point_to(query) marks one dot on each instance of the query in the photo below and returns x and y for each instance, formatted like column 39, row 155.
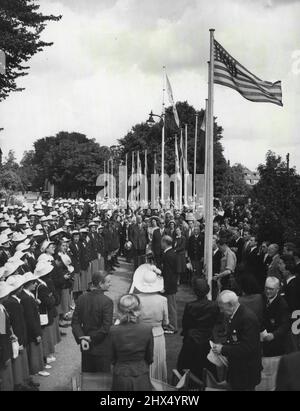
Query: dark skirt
column 65, row 302
column 133, row 376
column 35, row 357
column 20, row 368
column 86, row 278
column 55, row 331
column 48, row 340
column 6, row 377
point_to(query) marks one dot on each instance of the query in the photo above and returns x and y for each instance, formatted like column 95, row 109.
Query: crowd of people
column 56, row 262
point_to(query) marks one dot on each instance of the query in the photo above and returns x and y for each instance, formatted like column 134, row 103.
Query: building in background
column 251, row 177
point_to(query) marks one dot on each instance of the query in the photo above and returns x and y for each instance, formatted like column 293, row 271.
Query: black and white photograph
column 149, row 198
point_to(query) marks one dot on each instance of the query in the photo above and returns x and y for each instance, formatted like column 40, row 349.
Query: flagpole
column 181, row 169
column 195, row 160
column 112, row 179
column 186, row 165
column 146, row 177
column 209, row 195
column 126, row 180
column 163, row 141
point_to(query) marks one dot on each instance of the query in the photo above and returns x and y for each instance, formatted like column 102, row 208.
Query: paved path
column 68, row 353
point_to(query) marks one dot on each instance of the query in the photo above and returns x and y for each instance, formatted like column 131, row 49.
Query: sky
column 104, row 72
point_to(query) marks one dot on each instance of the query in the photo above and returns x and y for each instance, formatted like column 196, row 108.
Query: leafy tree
column 71, row 161
column 276, row 199
column 21, row 26
column 9, row 176
column 235, row 184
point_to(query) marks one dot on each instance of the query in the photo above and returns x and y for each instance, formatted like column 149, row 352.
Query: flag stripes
column 230, row 73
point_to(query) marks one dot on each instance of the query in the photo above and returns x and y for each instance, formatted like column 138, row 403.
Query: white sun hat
column 5, row 289
column 147, row 280
column 15, row 281
column 42, row 269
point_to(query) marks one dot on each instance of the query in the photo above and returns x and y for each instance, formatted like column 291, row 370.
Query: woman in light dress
column 148, row 284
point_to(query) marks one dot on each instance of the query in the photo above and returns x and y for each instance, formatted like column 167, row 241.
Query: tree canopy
column 71, row 161
column 21, row 26
column 276, row 199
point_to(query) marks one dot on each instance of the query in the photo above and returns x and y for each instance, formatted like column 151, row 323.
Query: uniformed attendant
column 22, row 380
column 33, row 326
column 75, row 253
column 6, row 373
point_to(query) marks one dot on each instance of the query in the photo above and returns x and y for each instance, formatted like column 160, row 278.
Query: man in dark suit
column 288, row 375
column 276, row 320
column 169, row 273
column 139, row 239
column 156, row 242
column 196, row 251
column 91, row 322
column 242, row 347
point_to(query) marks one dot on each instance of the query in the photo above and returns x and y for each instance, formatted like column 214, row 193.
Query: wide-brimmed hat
column 15, row 281
column 45, row 258
column 28, row 277
column 12, row 266
column 3, row 240
column 5, row 289
column 22, row 247
column 18, row 237
column 146, row 280
column 43, row 268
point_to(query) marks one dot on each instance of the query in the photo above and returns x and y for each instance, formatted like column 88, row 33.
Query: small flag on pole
column 229, row 72
column 171, row 100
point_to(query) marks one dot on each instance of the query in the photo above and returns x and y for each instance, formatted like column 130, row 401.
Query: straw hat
column 11, row 267
column 146, row 280
column 28, row 277
column 42, row 269
column 22, row 247
column 45, row 258
column 3, row 240
column 15, row 281
column 5, row 289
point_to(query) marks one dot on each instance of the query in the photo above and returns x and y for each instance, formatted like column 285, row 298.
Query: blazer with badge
column 276, row 322
column 243, row 350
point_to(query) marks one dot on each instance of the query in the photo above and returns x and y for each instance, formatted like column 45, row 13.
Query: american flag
column 229, row 72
